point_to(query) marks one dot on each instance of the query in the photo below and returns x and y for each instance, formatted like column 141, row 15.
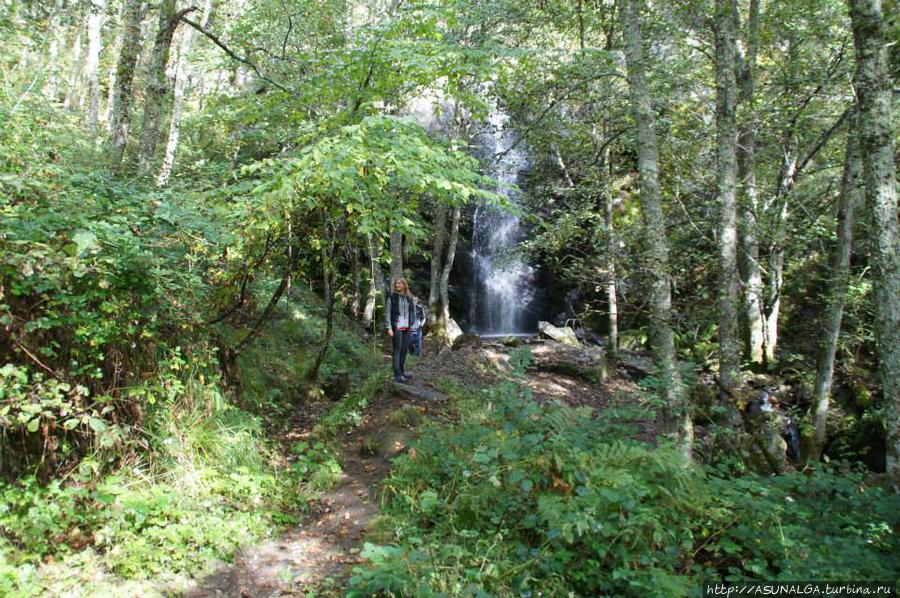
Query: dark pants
column 401, row 345
column 415, row 342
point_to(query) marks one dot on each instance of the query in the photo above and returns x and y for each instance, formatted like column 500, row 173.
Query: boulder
column 564, row 335
column 417, row 393
column 583, row 362
column 466, row 339
column 337, row 385
column 453, row 330
column 636, row 365
column 512, row 341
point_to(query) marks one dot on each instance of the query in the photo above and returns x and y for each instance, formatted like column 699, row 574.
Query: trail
column 316, row 557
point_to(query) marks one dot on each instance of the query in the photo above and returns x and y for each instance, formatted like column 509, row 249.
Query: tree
column 657, row 255
column 873, row 87
column 726, row 153
column 157, row 85
column 182, row 76
column 751, row 275
column 851, row 196
column 120, row 115
column 92, row 64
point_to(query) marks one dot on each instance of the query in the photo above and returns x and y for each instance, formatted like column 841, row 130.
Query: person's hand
column 391, row 332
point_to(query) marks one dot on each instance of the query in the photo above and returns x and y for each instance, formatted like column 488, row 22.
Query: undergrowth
column 519, row 499
column 202, row 477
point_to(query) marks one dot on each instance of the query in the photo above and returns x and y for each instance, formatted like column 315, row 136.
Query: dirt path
column 316, row 557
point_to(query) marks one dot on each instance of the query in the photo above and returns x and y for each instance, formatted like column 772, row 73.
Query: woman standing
column 398, row 319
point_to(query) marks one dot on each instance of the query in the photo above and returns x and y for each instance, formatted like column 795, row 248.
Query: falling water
column 501, row 288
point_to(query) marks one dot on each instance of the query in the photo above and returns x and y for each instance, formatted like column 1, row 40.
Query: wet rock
column 564, row 335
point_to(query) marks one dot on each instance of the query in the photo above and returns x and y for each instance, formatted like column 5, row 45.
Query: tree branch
column 215, row 39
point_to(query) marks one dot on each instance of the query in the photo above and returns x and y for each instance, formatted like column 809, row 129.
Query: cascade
column 501, row 287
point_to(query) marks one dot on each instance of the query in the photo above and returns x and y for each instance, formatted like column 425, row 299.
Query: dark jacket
column 392, row 313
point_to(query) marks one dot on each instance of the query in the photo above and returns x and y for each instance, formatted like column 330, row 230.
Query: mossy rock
column 466, row 339
column 407, row 416
column 386, row 443
column 512, row 341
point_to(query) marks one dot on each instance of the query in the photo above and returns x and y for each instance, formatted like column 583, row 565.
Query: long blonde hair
column 405, row 285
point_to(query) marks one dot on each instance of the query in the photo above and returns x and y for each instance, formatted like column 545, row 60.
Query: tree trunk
column 73, row 86
column 437, row 255
column 355, row 278
column 120, row 117
column 654, row 220
column 328, row 274
column 443, row 316
column 182, row 76
column 873, row 84
column 726, row 152
column 775, row 279
column 57, row 37
column 396, row 256
column 612, row 249
column 376, row 283
column 750, row 270
column 155, row 93
column 92, row 62
column 851, row 194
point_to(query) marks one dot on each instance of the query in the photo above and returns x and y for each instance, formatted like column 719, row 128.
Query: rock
column 512, row 341
column 466, row 339
column 337, row 385
column 408, row 416
column 453, row 330
column 582, row 362
column 589, row 337
column 636, row 365
column 564, row 335
column 417, row 393
column 385, row 443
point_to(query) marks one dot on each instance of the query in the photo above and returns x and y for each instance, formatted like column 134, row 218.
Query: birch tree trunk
column 120, row 115
column 92, row 62
column 877, row 144
column 654, row 221
column 726, row 153
column 612, row 248
column 182, row 77
column 748, row 205
column 851, row 195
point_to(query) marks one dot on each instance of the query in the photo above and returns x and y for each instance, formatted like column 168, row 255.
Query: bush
column 521, row 499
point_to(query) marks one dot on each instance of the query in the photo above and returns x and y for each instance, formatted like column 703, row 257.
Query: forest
column 646, row 251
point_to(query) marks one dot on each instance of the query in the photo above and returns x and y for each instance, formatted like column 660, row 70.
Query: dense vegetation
column 198, row 203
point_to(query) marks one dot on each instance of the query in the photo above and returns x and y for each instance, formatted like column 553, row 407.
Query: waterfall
column 501, row 287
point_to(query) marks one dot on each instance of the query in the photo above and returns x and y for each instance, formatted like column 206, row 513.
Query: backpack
column 420, row 314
